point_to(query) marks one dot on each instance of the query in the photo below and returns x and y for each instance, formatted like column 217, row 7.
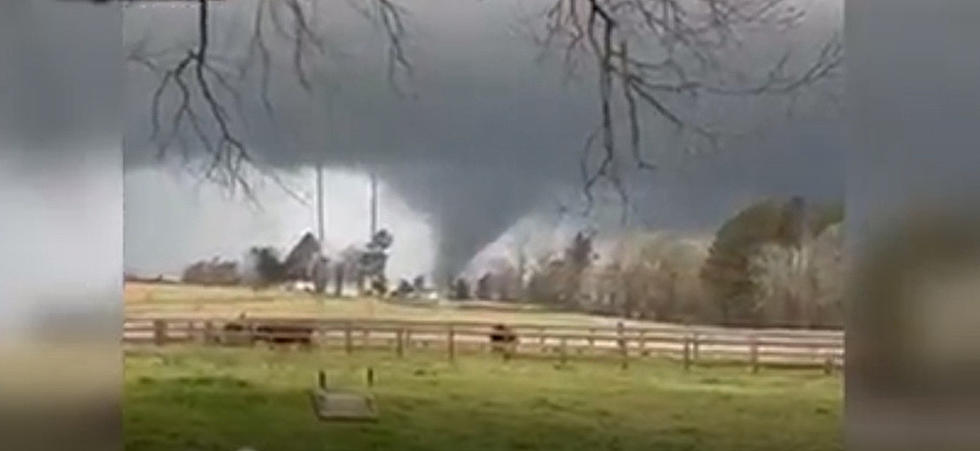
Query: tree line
column 775, row 263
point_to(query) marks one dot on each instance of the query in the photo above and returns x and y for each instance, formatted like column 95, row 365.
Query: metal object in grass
column 342, row 405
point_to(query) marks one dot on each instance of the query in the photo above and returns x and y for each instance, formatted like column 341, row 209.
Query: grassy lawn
column 191, row 398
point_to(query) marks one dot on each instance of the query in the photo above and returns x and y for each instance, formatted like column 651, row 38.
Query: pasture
column 213, row 398
column 193, row 397
column 161, row 300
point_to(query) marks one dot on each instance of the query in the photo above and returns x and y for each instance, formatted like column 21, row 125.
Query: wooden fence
column 687, row 344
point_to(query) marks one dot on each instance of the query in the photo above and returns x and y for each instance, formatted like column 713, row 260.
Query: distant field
column 162, row 300
column 193, row 398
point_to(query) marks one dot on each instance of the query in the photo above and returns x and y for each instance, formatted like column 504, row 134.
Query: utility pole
column 320, row 265
column 374, row 206
column 319, row 203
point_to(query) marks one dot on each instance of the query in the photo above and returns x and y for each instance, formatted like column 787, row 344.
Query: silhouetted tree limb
column 204, row 85
column 651, row 55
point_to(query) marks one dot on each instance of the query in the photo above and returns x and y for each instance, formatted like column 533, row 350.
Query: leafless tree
column 650, row 56
column 801, row 286
column 654, row 275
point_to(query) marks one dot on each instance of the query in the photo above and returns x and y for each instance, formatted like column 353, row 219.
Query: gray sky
column 489, row 136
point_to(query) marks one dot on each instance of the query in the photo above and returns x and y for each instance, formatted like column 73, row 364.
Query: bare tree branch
column 388, row 17
column 651, row 55
column 203, row 85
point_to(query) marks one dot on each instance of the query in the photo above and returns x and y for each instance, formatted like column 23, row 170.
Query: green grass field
column 192, row 398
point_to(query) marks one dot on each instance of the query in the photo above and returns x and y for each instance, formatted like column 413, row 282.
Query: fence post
column 321, row 334
column 208, row 334
column 159, row 332
column 642, row 341
column 541, row 338
column 591, row 340
column 251, row 334
column 696, row 345
column 687, row 352
column 623, row 345
column 452, row 343
column 348, row 345
column 400, row 337
column 754, row 353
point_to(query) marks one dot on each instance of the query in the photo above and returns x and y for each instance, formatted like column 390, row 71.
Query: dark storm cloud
column 806, row 159
column 488, row 134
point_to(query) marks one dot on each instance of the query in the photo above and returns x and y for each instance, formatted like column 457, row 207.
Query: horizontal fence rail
column 689, row 344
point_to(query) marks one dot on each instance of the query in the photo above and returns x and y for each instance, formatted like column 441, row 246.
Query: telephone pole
column 319, row 203
column 374, row 205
